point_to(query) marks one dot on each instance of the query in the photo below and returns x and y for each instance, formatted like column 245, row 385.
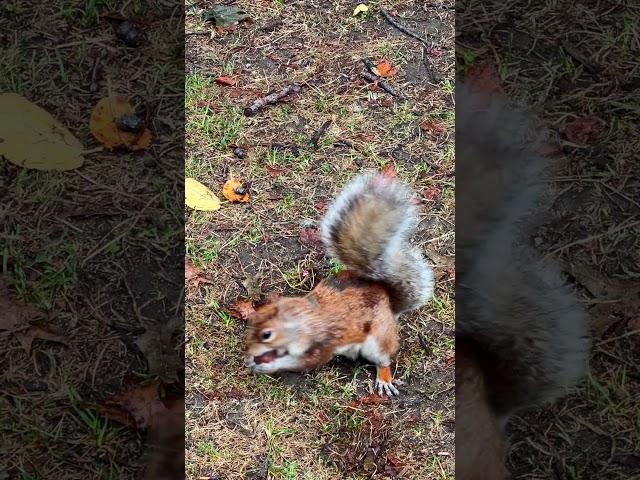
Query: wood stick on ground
column 271, row 99
column 318, row 135
column 384, row 85
column 405, row 30
column 590, row 65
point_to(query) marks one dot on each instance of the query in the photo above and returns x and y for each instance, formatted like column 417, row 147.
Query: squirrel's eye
column 266, row 335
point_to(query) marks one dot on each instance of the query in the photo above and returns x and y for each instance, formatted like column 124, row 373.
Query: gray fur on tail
column 367, row 229
column 511, row 305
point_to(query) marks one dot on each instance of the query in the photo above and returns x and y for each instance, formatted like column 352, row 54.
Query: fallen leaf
column 432, row 128
column 322, row 418
column 235, row 191
column 242, row 309
column 158, row 348
column 321, row 207
column 30, row 137
column 371, row 399
column 483, row 77
column 389, row 170
column 15, row 315
column 225, row 16
column 274, row 171
column 193, row 275
column 384, row 69
column 26, row 337
column 430, row 193
column 104, row 125
column 310, row 237
column 199, row 197
column 436, row 52
column 140, row 407
column 583, row 130
column 226, row 80
column 360, row 8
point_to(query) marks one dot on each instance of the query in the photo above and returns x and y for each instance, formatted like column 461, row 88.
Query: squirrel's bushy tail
column 367, row 229
column 512, row 306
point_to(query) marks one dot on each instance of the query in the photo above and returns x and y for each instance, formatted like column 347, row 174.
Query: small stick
column 318, row 135
column 384, row 85
column 369, row 64
column 404, row 30
column 590, row 65
column 440, row 5
column 271, row 99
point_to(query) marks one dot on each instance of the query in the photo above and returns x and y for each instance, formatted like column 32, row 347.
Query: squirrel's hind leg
column 384, row 381
column 379, row 350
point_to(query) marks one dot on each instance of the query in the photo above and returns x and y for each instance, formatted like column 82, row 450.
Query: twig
column 440, row 5
column 404, row 30
column 369, row 64
column 384, row 85
column 590, row 65
column 204, row 32
column 318, row 135
column 271, row 99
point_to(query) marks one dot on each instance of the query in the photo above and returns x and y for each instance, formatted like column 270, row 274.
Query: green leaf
column 225, row 16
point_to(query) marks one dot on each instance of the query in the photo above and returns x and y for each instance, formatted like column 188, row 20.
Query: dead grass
column 306, row 425
column 594, row 432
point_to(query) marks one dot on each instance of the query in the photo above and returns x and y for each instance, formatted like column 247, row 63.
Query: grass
column 304, row 426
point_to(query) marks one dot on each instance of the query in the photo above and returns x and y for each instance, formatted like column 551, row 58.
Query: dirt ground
column 90, row 249
column 571, row 62
column 319, row 425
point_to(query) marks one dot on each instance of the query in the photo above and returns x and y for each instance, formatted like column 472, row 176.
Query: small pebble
column 130, row 123
column 240, row 152
column 130, row 34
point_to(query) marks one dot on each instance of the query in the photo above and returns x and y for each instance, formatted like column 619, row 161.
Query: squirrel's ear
column 262, row 312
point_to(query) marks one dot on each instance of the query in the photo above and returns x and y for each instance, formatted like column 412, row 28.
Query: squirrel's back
column 367, row 229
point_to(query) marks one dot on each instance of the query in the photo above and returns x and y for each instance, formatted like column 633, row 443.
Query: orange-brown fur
column 480, row 444
column 340, row 311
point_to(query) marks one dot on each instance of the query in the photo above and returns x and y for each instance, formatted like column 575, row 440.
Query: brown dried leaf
column 432, row 128
column 14, row 314
column 389, row 170
column 242, row 309
column 430, row 193
column 274, row 171
column 226, row 80
column 583, row 130
column 384, row 69
column 27, row 337
column 140, row 407
column 194, row 275
column 310, row 237
column 157, row 346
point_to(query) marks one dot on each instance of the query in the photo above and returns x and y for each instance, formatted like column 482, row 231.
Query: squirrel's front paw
column 387, row 388
column 263, row 368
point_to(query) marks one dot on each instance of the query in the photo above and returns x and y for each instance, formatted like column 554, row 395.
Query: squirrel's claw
column 387, row 388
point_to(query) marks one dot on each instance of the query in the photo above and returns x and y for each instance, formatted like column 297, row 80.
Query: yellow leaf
column 198, row 196
column 30, row 137
column 361, row 8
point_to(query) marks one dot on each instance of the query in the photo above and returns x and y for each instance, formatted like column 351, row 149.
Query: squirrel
column 521, row 335
column 367, row 230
